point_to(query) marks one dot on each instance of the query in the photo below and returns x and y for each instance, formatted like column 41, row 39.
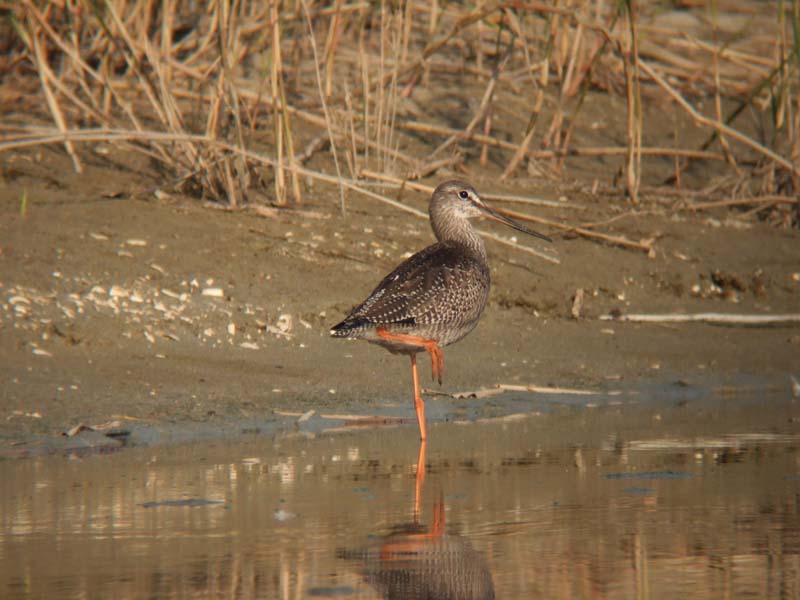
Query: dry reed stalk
column 386, row 97
column 626, row 215
column 45, row 77
column 286, row 119
column 160, row 77
column 479, row 45
column 515, row 387
column 517, row 199
column 408, row 19
column 328, row 125
column 278, row 108
column 726, row 149
column 363, row 72
column 616, row 240
column 676, row 161
column 228, row 41
column 522, row 150
column 630, row 53
column 551, row 58
column 327, row 11
column 430, row 168
column 789, row 49
column 487, row 129
column 567, row 82
column 748, row 61
column 433, row 21
column 390, row 131
column 351, row 155
column 330, row 44
column 381, row 89
column 566, row 87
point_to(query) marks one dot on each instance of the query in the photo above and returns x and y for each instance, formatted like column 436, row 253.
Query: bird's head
column 455, row 200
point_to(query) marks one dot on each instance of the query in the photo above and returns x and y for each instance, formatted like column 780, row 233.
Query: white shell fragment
column 117, row 291
column 285, row 323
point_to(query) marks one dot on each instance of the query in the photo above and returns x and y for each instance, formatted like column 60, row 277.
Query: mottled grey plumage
column 437, row 294
column 435, row 297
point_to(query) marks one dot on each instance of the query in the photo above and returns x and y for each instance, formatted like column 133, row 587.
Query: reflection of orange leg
column 437, row 358
column 438, row 518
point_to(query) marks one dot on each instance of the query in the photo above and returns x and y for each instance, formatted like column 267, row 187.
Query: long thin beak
column 493, row 214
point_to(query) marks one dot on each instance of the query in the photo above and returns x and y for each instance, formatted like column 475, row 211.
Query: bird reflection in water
column 419, row 562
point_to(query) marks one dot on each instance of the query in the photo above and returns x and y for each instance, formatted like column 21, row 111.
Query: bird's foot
column 437, row 360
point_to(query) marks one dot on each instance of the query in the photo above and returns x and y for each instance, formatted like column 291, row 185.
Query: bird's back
column 438, row 293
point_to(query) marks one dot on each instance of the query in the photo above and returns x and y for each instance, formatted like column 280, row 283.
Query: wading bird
column 436, row 297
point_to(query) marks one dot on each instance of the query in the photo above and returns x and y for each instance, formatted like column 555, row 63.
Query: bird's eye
column 463, row 194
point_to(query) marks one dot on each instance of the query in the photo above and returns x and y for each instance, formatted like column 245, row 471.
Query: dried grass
column 202, row 93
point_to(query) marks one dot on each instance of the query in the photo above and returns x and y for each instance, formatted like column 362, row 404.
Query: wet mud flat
column 663, row 494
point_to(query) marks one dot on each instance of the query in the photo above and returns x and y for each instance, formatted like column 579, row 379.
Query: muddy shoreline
column 117, row 305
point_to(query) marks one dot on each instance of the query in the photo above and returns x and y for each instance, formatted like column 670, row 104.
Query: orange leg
column 419, row 403
column 419, row 480
column 432, row 348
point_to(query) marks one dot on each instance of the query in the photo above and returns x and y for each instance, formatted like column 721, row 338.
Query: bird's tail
column 350, row 327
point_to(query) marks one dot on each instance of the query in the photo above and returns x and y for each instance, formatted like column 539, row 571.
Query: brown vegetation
column 238, row 101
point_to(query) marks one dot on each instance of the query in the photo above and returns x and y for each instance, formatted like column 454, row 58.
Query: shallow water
column 646, row 497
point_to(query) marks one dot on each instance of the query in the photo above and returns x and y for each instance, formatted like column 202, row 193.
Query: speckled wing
column 438, row 285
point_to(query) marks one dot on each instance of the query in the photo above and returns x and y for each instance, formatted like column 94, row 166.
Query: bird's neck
column 460, row 231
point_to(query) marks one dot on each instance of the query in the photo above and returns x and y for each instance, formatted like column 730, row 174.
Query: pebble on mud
column 213, row 292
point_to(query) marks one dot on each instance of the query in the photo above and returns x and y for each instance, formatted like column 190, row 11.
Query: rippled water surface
column 645, row 498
